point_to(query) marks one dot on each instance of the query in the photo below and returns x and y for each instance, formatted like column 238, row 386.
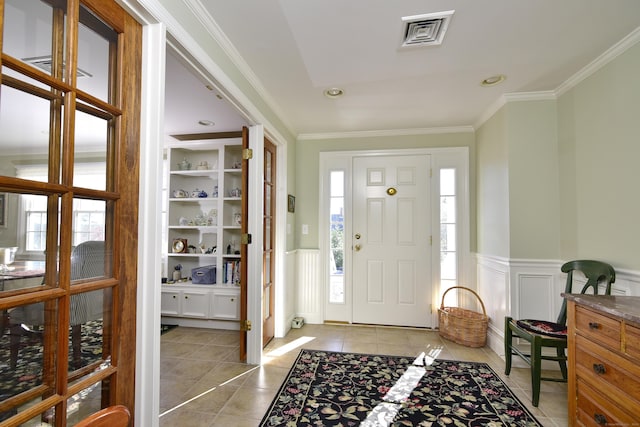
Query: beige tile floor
column 202, row 383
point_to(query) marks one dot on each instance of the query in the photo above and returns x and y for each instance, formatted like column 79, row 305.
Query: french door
column 268, row 252
column 69, row 101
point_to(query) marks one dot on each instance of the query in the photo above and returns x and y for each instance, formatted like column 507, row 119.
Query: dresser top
column 625, row 307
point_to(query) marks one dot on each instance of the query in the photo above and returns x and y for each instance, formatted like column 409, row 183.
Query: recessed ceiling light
column 333, row 92
column 206, row 122
column 493, row 80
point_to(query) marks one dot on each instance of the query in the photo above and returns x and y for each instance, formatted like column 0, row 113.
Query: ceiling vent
column 425, row 30
column 44, row 63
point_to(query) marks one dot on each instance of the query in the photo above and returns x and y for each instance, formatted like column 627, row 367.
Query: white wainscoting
column 308, row 289
column 288, row 310
column 529, row 289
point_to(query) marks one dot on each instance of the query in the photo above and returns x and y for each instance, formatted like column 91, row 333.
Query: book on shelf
column 232, row 272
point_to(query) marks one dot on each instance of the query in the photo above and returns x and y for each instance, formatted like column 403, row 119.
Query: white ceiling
column 295, row 49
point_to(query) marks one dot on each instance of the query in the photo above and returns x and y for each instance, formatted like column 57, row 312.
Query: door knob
column 357, row 247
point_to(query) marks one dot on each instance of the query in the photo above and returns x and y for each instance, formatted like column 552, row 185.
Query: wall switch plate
column 305, row 228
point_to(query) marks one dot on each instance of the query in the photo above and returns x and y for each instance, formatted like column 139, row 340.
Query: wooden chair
column 540, row 333
column 113, row 416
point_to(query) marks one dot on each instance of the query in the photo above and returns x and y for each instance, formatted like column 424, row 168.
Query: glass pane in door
column 97, row 44
column 25, row 147
column 27, row 32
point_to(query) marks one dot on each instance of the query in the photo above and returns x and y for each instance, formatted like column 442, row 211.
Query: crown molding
column 490, row 111
column 212, row 27
column 613, row 52
column 617, row 49
column 384, row 133
column 531, row 96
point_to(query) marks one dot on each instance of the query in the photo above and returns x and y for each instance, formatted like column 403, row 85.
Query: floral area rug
column 344, row 389
column 28, row 371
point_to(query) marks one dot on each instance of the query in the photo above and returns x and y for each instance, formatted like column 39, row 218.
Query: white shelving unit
column 204, row 217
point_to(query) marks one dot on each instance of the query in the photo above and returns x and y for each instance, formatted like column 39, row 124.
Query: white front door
column 391, row 249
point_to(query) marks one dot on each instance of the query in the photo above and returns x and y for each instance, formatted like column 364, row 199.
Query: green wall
column 307, row 176
column 534, row 224
column 493, row 187
column 599, row 134
column 558, row 178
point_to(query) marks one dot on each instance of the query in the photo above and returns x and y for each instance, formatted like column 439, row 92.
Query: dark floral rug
column 28, row 371
column 344, row 389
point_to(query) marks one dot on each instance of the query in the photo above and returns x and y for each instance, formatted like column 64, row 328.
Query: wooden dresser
column 604, row 360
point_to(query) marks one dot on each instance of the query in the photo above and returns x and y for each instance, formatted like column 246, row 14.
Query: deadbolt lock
column 357, row 236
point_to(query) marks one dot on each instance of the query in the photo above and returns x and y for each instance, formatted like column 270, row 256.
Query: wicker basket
column 463, row 326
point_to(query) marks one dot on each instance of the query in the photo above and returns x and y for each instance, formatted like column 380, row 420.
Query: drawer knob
column 594, row 325
column 599, row 368
column 600, row 419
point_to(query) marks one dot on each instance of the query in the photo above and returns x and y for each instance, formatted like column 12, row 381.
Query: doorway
column 394, row 233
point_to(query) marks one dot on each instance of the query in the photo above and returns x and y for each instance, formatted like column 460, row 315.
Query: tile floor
column 202, row 383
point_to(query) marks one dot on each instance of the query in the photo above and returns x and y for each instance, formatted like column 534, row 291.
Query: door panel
column 244, row 255
column 392, row 257
column 268, row 272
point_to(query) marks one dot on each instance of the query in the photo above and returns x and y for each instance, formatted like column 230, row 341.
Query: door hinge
column 245, row 325
column 245, row 239
column 430, row 240
column 431, row 173
column 247, row 154
column 431, row 308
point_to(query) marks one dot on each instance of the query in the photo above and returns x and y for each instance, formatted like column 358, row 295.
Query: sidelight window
column 448, row 229
column 336, row 238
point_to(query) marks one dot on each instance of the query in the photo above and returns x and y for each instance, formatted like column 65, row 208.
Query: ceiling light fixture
column 334, row 92
column 493, row 80
column 206, row 122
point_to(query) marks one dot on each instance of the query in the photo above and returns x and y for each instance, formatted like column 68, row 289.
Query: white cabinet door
column 195, row 303
column 170, row 303
column 226, row 305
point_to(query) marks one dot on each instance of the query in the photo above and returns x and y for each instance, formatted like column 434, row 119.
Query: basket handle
column 466, row 289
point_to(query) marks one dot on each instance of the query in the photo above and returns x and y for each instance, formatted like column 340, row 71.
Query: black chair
column 540, row 333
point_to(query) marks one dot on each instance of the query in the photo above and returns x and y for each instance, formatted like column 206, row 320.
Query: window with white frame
column 88, row 215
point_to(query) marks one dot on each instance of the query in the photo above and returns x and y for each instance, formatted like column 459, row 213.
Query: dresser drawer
column 598, row 328
column 632, row 339
column 596, row 410
column 613, row 375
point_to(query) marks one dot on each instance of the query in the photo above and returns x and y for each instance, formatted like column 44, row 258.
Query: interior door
column 268, row 254
column 391, row 249
column 243, row 247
